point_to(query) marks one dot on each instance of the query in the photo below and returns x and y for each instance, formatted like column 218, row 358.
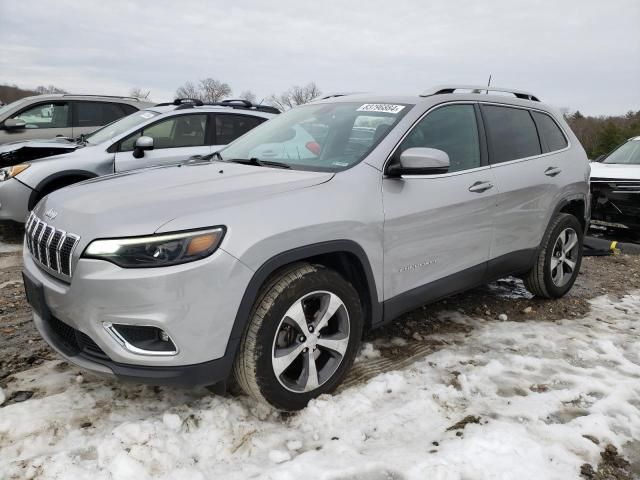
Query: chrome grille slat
column 51, row 247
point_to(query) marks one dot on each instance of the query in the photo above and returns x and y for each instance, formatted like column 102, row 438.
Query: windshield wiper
column 257, row 162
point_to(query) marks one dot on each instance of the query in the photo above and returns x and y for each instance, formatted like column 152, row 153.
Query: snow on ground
column 537, row 388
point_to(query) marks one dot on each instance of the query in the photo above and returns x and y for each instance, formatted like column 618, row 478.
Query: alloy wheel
column 310, row 341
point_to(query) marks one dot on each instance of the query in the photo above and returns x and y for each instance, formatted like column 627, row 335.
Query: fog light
column 142, row 339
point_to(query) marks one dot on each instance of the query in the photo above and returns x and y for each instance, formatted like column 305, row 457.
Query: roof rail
column 180, row 102
column 183, row 103
column 244, row 105
column 442, row 89
column 103, row 96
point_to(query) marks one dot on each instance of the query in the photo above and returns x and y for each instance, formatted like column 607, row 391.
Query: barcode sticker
column 381, row 107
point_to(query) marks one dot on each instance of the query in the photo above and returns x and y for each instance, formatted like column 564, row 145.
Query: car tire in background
column 559, row 259
column 303, row 336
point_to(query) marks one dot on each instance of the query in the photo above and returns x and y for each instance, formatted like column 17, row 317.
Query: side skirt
column 515, row 263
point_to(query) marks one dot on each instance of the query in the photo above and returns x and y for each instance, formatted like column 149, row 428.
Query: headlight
column 157, row 250
column 10, row 172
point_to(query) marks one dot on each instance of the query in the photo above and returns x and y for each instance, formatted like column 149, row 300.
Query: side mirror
column 142, row 144
column 14, row 124
column 420, row 161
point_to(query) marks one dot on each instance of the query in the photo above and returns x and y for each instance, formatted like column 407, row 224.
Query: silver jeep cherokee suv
column 269, row 260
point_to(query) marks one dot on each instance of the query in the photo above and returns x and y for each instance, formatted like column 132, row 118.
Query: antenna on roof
column 488, row 85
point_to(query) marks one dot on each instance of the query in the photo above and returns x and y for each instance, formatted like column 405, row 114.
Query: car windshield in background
column 629, row 154
column 118, row 127
column 324, row 137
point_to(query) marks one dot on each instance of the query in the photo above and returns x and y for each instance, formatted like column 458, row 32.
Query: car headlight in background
column 157, row 250
column 9, row 172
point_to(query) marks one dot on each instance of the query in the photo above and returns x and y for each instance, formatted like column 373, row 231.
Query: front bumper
column 616, row 201
column 14, row 200
column 195, row 303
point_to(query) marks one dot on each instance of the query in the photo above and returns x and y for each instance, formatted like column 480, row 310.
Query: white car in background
column 615, row 187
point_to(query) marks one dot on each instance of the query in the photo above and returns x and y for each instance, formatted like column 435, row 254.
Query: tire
column 274, row 340
column 545, row 279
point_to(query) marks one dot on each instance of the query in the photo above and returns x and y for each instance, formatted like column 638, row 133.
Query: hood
column 617, row 171
column 140, row 202
column 19, row 152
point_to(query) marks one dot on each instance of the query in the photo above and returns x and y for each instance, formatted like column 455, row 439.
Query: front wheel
column 559, row 259
column 302, row 337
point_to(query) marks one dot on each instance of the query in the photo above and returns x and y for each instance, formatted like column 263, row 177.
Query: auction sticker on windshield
column 380, row 107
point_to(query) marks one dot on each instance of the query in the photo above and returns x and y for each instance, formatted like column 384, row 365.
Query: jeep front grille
column 51, row 247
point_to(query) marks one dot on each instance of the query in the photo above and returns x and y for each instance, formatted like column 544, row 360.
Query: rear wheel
column 302, row 337
column 559, row 260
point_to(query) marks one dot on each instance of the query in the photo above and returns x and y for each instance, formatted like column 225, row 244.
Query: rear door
column 226, row 127
column 438, row 228
column 44, row 120
column 176, row 139
column 89, row 116
column 526, row 192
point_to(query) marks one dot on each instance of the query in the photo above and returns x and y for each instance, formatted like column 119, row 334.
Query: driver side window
column 452, row 129
column 174, row 132
column 46, row 115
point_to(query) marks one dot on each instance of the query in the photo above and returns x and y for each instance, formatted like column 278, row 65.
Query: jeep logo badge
column 51, row 214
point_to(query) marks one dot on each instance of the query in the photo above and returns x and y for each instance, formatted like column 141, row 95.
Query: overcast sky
column 576, row 54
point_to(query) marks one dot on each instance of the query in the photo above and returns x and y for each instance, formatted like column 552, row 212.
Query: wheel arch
column 57, row 178
column 345, row 256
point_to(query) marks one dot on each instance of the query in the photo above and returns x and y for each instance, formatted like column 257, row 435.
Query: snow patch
column 536, row 388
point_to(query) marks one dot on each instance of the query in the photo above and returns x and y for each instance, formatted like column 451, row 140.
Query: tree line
column 598, row 135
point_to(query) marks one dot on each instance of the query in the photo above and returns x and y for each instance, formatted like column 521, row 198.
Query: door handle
column 552, row 171
column 480, row 187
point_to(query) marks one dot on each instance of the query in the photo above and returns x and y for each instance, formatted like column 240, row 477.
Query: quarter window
column 178, row 131
column 512, row 133
column 230, row 127
column 452, row 129
column 551, row 136
column 46, row 115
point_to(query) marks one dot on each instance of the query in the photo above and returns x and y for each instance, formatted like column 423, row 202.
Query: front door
column 438, row 228
column 43, row 121
column 176, row 139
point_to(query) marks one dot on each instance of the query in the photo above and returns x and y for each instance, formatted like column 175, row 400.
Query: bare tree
column 140, row 93
column 207, row 90
column 42, row 90
column 296, row 95
column 248, row 95
column 214, row 90
column 188, row 90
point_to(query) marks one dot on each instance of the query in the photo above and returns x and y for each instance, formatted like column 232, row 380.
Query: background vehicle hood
column 18, row 152
column 615, row 170
column 140, row 202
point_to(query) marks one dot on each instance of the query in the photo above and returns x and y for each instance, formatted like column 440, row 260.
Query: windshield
column 10, row 106
column 324, row 137
column 628, row 153
column 118, row 127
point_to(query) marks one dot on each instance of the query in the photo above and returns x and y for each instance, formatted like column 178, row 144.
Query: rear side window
column 96, row 114
column 551, row 136
column 511, row 132
column 452, row 129
column 229, row 127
